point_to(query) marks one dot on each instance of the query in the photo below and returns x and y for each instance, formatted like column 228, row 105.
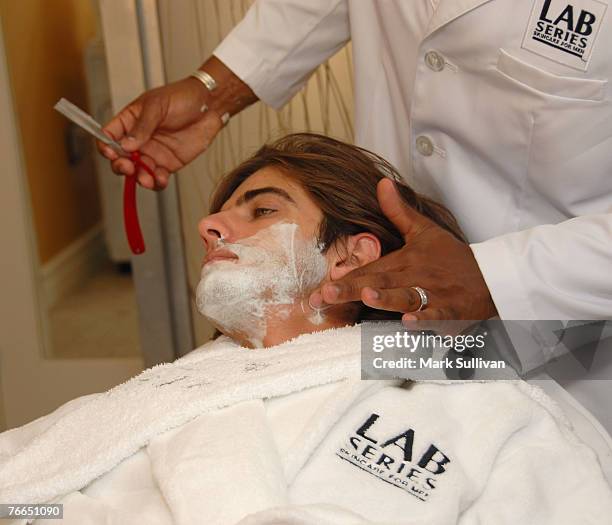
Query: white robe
column 290, row 434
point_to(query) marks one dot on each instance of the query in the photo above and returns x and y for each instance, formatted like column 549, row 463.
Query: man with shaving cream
column 288, row 433
column 276, row 262
column 477, row 105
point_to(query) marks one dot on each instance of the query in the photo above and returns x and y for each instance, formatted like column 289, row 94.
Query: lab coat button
column 424, row 146
column 434, row 60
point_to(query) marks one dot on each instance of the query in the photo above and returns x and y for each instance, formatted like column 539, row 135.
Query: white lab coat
column 513, row 135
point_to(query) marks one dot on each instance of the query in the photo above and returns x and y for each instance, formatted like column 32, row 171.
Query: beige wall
column 44, row 43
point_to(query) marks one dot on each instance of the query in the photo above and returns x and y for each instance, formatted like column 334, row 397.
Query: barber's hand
column 168, row 127
column 431, row 258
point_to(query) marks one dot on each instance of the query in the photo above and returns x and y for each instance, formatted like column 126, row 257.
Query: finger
column 349, row 287
column 145, row 125
column 404, row 299
column 122, row 122
column 161, row 177
column 366, row 276
column 160, row 180
column 123, row 166
column 430, row 314
column 406, row 219
column 146, row 179
column 397, row 261
column 106, row 151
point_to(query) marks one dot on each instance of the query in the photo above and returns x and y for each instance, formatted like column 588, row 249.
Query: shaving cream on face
column 275, row 268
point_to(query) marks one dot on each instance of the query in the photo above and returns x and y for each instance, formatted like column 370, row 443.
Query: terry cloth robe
column 291, row 435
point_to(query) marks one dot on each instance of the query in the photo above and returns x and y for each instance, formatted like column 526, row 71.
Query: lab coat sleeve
column 558, row 271
column 279, row 43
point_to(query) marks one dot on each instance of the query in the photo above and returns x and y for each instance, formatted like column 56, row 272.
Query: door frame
column 31, row 384
column 134, row 58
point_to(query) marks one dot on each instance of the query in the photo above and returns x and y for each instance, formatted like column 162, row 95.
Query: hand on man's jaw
column 431, row 258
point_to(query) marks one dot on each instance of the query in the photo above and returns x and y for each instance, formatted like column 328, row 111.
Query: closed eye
column 261, row 212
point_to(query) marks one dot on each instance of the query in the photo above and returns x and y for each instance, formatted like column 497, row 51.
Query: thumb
column 146, row 123
column 405, row 218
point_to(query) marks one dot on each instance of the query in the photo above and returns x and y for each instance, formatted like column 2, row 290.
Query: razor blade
column 88, row 123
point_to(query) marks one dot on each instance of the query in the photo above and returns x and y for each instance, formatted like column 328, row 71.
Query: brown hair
column 341, row 178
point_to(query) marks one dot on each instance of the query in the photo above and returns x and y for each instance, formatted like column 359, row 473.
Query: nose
column 212, row 229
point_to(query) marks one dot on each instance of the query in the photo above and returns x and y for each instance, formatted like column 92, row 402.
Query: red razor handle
column 130, row 210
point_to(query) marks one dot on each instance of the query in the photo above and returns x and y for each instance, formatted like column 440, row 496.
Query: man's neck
column 302, row 319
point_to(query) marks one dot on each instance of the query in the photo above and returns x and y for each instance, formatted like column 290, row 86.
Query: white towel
column 215, row 456
column 204, row 467
column 90, row 440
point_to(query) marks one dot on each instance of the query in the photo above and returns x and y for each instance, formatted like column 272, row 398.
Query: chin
column 247, row 340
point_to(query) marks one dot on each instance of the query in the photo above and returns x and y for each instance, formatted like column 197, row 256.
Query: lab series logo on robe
column 565, row 30
column 393, row 458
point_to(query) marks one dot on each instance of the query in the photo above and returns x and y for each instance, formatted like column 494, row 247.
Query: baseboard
column 70, row 268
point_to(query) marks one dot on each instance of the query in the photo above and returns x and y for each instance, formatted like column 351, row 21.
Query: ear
column 357, row 250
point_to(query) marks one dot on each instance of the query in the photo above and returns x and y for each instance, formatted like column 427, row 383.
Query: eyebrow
column 251, row 194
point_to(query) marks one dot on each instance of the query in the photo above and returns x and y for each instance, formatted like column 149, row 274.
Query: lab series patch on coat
column 392, row 458
column 565, row 30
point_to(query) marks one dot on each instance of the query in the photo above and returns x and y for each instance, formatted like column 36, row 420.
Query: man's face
column 267, row 197
column 262, row 256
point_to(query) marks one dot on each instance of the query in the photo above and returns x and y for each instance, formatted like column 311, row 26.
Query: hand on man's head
column 432, row 258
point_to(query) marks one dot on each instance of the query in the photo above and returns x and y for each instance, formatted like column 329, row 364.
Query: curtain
column 191, row 29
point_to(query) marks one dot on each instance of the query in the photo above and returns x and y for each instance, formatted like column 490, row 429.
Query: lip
column 219, row 255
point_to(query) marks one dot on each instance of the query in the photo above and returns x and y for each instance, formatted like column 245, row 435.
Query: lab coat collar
column 449, row 11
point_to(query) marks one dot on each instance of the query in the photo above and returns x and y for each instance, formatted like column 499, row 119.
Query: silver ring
column 424, row 297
